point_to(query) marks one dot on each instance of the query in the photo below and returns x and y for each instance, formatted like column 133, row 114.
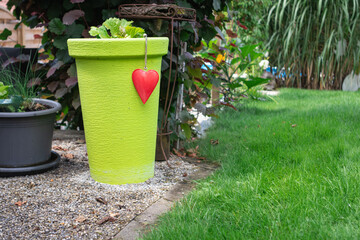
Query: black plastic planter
column 25, row 140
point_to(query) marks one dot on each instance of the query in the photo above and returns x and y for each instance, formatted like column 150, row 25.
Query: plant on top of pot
column 3, row 90
column 119, row 100
column 21, row 89
column 118, row 28
column 26, row 125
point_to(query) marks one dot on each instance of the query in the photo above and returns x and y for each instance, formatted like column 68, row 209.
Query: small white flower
column 264, row 64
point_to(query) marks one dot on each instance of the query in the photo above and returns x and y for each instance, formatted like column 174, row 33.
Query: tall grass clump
column 317, row 42
column 22, row 87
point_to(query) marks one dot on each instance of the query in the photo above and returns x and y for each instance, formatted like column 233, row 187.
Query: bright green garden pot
column 120, row 130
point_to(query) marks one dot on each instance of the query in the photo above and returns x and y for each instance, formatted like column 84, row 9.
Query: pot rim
column 117, row 47
column 55, row 107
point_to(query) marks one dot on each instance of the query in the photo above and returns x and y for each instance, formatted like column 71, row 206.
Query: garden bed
column 66, row 203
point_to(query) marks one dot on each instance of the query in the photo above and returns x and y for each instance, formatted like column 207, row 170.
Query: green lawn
column 290, row 170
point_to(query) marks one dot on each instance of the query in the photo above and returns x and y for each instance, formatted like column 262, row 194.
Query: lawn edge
column 145, row 221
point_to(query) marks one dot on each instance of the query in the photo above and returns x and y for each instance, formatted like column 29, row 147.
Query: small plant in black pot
column 26, row 125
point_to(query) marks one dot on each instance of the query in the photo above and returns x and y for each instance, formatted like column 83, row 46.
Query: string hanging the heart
column 145, row 81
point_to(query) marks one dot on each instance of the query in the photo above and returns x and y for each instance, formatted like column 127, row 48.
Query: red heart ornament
column 145, row 82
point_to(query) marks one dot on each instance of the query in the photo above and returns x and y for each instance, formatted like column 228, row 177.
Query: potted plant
column 120, row 125
column 26, row 125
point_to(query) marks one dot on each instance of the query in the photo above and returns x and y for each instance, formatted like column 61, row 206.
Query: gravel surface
column 66, row 203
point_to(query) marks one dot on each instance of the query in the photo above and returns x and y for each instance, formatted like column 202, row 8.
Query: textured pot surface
column 25, row 138
column 120, row 130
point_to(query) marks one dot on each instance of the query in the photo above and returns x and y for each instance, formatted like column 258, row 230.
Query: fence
column 23, row 35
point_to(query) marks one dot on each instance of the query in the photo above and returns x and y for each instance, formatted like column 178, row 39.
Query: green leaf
column 184, row 36
column 243, row 66
column 19, row 46
column 74, row 30
column 60, row 42
column 255, row 55
column 187, row 130
column 183, row 3
column 63, row 55
column 207, row 32
column 3, row 90
column 235, row 60
column 195, row 72
column 103, row 32
column 233, row 85
column 94, row 31
column 16, row 101
column 124, row 23
column 5, row 34
column 248, row 49
column 56, row 26
column 134, row 32
column 255, row 81
column 72, row 70
column 185, row 116
column 118, row 29
column 113, row 24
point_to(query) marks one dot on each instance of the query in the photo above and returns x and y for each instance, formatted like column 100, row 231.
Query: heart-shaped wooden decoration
column 145, row 82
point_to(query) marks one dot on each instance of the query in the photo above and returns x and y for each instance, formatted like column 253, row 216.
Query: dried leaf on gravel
column 101, row 200
column 179, row 153
column 59, row 148
column 193, row 152
column 185, row 175
column 114, row 215
column 19, row 203
column 80, row 219
column 68, row 156
column 106, row 219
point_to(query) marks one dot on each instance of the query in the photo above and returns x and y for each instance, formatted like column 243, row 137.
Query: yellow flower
column 220, row 58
